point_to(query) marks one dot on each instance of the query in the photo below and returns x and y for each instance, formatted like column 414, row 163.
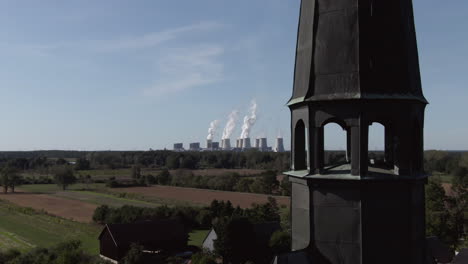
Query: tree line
column 191, row 217
column 251, row 159
column 262, row 183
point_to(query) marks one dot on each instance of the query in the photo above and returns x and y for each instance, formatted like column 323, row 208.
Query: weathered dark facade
column 356, row 64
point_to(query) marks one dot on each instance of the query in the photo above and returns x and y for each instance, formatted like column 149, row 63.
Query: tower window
column 376, row 147
column 335, row 144
column 300, row 146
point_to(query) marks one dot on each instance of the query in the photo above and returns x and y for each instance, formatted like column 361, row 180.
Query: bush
column 64, row 253
column 112, row 183
column 203, row 258
column 101, row 213
column 164, row 178
column 134, row 255
column 64, row 176
column 150, row 180
column 280, row 242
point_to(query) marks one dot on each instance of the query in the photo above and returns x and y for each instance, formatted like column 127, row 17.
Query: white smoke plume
column 280, row 133
column 249, row 120
column 212, row 130
column 231, row 124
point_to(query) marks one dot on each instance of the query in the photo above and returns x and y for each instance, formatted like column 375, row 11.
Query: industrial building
column 179, row 147
column 260, row 144
column 195, row 146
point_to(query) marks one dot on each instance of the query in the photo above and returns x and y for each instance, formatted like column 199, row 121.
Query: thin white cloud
column 184, row 69
column 150, row 40
column 121, row 44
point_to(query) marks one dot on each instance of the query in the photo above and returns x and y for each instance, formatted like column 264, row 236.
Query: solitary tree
column 9, row 178
column 15, row 180
column 280, row 242
column 5, row 180
column 164, row 177
column 64, row 177
column 136, row 172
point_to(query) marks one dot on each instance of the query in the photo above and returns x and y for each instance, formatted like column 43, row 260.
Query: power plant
column 261, row 144
column 244, row 142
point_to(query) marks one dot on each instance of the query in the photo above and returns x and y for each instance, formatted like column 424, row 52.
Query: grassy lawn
column 93, row 193
column 444, row 178
column 24, row 228
column 99, row 194
column 103, row 199
column 106, row 173
column 197, row 236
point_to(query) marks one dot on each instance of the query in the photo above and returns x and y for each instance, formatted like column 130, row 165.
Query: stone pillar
column 388, row 146
column 317, row 148
column 403, row 149
column 359, row 149
column 348, row 145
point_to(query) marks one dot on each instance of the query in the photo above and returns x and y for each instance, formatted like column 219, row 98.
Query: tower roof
column 350, row 51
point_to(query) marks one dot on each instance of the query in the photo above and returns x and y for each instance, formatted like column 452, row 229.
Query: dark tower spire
column 356, row 64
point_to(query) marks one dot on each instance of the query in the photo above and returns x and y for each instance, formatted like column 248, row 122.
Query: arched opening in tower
column 335, row 144
column 300, row 146
column 376, row 146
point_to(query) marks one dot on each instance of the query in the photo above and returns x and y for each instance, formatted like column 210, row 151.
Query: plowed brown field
column 66, row 208
column 201, row 196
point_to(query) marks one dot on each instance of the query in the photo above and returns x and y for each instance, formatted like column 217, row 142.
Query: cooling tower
column 195, row 146
column 239, row 143
column 208, row 143
column 279, row 145
column 178, row 146
column 226, row 143
column 257, row 143
column 215, row 145
column 263, row 144
column 246, row 143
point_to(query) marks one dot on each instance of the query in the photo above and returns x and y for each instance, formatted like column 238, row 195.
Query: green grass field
column 197, row 236
column 25, row 228
column 444, row 178
column 103, row 199
column 99, row 194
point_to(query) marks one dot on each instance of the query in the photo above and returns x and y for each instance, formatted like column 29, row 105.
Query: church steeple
column 362, row 54
column 357, row 64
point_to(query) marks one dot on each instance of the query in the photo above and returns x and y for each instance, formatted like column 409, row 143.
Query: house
column 461, row 257
column 263, row 232
column 156, row 237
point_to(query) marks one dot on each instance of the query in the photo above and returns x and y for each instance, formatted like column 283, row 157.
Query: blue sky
column 114, row 74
